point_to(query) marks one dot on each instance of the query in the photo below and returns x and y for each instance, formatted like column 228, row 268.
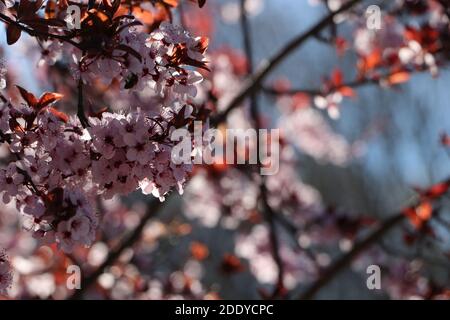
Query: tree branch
column 252, row 84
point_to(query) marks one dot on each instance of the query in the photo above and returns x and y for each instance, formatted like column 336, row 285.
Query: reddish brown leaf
column 370, row 62
column 107, row 4
column 12, row 34
column 337, row 77
column 29, row 98
column 231, row 264
column 48, row 98
column 347, row 91
column 143, row 16
column 410, row 213
column 445, row 139
column 171, row 3
column 198, row 64
column 420, row 214
column 341, row 45
column 59, row 114
column 424, row 211
column 203, row 44
column 50, row 10
column 398, row 77
column 97, row 114
column 437, row 190
column 28, row 8
column 199, row 251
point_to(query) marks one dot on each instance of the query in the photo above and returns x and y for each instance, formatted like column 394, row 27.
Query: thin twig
column 314, row 92
column 80, row 110
column 326, row 91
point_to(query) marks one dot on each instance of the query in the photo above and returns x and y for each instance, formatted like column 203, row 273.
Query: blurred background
column 350, row 171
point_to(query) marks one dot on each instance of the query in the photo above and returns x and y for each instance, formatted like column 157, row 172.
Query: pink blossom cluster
column 403, row 46
column 71, row 213
column 60, row 167
column 5, row 273
column 139, row 60
column 134, row 151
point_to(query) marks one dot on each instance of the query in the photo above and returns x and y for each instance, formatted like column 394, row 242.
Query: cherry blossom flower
column 33, row 206
column 10, row 182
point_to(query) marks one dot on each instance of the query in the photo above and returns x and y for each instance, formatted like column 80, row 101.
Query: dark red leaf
column 199, row 251
column 54, row 199
column 29, row 98
column 437, row 190
column 445, row 139
column 48, row 98
column 59, row 114
column 12, row 34
column 231, row 264
column 107, row 4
